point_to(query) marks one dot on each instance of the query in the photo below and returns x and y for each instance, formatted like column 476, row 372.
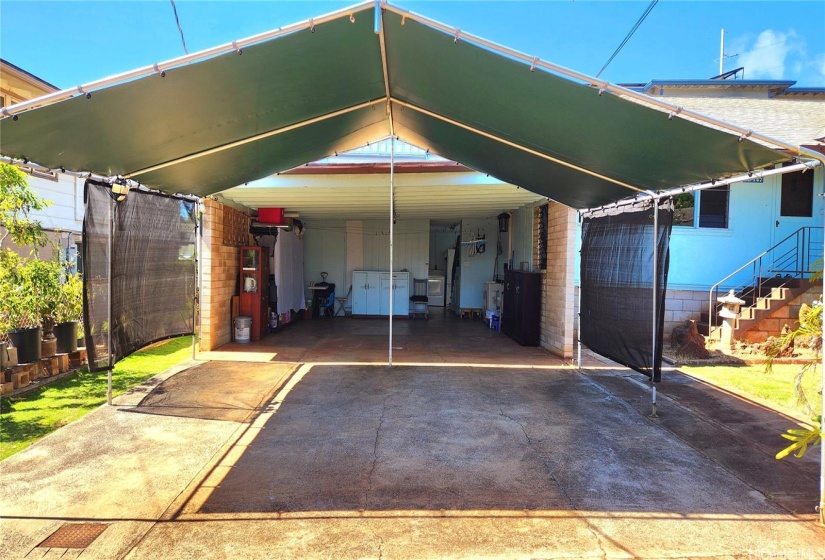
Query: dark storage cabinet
column 521, row 315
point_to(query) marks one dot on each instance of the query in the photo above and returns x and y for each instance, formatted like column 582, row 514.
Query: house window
column 2, row 101
column 797, row 198
column 713, row 207
column 708, row 208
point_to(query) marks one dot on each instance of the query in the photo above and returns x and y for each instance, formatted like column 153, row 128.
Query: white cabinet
column 371, row 293
column 401, row 293
column 365, row 292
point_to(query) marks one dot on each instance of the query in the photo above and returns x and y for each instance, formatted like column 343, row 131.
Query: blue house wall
column 700, row 257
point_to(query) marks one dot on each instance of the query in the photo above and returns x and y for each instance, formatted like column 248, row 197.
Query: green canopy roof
column 327, row 87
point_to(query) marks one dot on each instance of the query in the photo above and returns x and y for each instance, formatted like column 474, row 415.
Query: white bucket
column 243, row 325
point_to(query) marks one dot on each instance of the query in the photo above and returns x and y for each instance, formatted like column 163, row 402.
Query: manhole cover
column 74, row 535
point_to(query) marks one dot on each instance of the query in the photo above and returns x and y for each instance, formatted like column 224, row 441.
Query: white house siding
column 411, row 246
column 66, row 195
column 63, row 219
column 325, row 250
column 327, row 243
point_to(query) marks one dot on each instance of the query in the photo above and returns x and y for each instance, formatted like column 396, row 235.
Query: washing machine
column 435, row 289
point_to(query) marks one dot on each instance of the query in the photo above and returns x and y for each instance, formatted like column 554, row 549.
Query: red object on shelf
column 272, row 216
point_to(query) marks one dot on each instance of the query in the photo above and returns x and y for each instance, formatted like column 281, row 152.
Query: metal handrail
column 794, row 262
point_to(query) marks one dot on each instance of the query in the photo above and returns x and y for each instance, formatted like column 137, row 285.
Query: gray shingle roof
column 798, row 121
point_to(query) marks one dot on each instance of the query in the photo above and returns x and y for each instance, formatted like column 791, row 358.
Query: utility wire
column 629, row 35
column 182, row 40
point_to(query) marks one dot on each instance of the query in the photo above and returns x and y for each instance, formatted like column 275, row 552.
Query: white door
column 796, row 206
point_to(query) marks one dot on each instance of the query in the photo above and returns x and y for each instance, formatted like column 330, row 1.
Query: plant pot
column 66, row 334
column 48, row 347
column 27, row 342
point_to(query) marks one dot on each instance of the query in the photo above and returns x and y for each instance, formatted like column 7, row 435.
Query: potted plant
column 26, row 283
column 21, row 311
column 67, row 313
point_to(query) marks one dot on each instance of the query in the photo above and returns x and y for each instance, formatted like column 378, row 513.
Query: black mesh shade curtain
column 617, row 284
column 151, row 267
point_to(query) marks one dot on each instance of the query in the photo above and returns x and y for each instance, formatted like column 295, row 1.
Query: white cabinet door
column 373, row 293
column 384, row 304
column 401, row 293
column 365, row 292
column 359, row 293
column 401, row 303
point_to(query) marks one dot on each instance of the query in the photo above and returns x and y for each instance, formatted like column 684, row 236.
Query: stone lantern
column 729, row 313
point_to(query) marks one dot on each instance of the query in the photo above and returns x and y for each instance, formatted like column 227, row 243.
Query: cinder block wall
column 681, row 305
column 220, row 268
column 558, row 293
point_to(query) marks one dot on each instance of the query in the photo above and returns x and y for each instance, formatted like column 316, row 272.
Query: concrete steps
column 760, row 303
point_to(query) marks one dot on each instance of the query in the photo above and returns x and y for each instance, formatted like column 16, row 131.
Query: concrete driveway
column 279, row 460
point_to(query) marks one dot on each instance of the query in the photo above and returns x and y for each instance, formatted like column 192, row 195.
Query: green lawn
column 39, row 413
column 775, row 387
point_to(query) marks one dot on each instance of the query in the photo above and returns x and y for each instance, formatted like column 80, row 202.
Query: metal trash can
column 243, row 327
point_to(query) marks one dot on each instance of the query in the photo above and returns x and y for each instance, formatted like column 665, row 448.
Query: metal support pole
column 655, row 301
column 392, row 220
column 822, row 444
column 109, row 310
column 579, row 314
column 196, row 295
column 722, row 54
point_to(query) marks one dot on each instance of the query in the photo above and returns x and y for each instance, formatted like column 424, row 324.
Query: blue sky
column 69, row 43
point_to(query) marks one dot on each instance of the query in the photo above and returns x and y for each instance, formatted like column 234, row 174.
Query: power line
column 182, row 40
column 629, row 35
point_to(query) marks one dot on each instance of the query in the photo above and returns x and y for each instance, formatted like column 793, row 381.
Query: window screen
column 713, row 207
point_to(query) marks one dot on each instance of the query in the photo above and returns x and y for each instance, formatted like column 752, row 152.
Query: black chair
column 419, row 299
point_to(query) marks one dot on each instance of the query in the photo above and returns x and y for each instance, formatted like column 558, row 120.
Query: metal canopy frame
column 393, row 100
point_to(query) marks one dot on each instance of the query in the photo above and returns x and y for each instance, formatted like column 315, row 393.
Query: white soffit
column 451, row 195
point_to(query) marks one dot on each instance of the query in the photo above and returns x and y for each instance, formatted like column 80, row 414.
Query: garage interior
column 341, row 204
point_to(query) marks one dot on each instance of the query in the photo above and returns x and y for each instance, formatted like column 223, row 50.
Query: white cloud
column 768, row 55
column 819, row 68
